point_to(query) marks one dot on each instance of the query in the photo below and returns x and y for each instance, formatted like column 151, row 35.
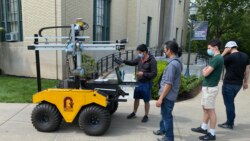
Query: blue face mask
column 210, row 52
column 140, row 55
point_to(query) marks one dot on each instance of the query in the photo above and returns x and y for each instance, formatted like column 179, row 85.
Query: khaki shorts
column 208, row 97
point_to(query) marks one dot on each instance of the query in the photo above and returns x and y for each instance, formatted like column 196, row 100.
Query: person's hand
column 118, row 60
column 245, row 86
column 139, row 74
column 204, row 69
column 158, row 102
column 226, row 51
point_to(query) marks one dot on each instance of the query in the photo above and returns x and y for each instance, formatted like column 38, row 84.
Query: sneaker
column 199, row 130
column 225, row 125
column 132, row 115
column 207, row 137
column 158, row 132
column 163, row 139
column 144, row 119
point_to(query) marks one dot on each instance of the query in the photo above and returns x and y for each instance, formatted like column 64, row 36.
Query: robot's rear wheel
column 94, row 120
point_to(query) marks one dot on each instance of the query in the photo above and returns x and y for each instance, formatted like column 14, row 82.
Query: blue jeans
column 166, row 123
column 229, row 93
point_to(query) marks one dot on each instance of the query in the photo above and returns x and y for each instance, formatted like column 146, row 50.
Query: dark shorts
column 143, row 91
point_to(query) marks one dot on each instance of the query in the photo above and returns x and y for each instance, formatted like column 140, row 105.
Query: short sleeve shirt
column 235, row 64
column 213, row 78
column 172, row 76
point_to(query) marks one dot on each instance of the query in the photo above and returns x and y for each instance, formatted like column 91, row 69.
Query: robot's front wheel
column 94, row 120
column 45, row 117
column 112, row 107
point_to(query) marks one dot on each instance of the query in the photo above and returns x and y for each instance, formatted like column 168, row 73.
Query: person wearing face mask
column 237, row 73
column 147, row 70
column 210, row 90
column 168, row 92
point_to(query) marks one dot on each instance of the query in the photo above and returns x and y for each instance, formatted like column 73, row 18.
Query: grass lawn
column 19, row 89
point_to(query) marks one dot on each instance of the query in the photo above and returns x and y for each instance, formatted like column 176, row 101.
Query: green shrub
column 183, row 85
column 161, row 65
column 89, row 66
column 1, row 34
column 187, row 84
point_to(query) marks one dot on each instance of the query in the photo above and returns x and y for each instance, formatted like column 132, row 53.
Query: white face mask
column 166, row 54
column 141, row 55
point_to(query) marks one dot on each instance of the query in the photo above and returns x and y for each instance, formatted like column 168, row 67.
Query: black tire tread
column 113, row 107
column 103, row 115
column 52, row 111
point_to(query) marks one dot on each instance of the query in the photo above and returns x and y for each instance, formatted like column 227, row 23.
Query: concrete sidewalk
column 189, row 114
column 15, row 123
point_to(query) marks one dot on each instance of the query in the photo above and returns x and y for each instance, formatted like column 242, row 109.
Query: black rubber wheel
column 94, row 120
column 46, row 118
column 112, row 107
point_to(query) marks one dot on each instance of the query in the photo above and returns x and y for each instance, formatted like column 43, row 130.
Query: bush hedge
column 1, row 34
column 161, row 65
column 89, row 66
column 187, row 84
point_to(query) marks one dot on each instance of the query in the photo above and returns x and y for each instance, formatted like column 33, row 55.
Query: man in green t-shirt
column 210, row 90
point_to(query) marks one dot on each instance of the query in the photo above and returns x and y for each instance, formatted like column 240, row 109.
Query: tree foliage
column 228, row 20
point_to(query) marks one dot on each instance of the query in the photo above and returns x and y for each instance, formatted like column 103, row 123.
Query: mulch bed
column 191, row 94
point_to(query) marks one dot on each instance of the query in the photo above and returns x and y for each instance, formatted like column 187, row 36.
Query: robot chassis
column 90, row 102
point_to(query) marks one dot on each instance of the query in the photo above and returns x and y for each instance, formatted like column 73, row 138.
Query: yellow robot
column 57, row 104
column 89, row 102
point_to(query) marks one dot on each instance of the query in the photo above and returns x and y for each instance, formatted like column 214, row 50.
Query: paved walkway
column 15, row 122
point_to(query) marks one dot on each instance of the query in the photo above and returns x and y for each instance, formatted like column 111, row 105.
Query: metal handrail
column 107, row 64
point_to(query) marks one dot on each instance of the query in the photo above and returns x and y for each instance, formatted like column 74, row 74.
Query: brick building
column 142, row 21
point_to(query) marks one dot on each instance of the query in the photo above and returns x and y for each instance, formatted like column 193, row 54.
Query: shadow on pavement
column 240, row 133
column 182, row 119
column 120, row 125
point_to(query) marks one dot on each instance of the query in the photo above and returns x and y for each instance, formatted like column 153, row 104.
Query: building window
column 1, row 13
column 181, row 37
column 184, row 6
column 101, row 30
column 149, row 24
column 11, row 19
column 176, row 34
